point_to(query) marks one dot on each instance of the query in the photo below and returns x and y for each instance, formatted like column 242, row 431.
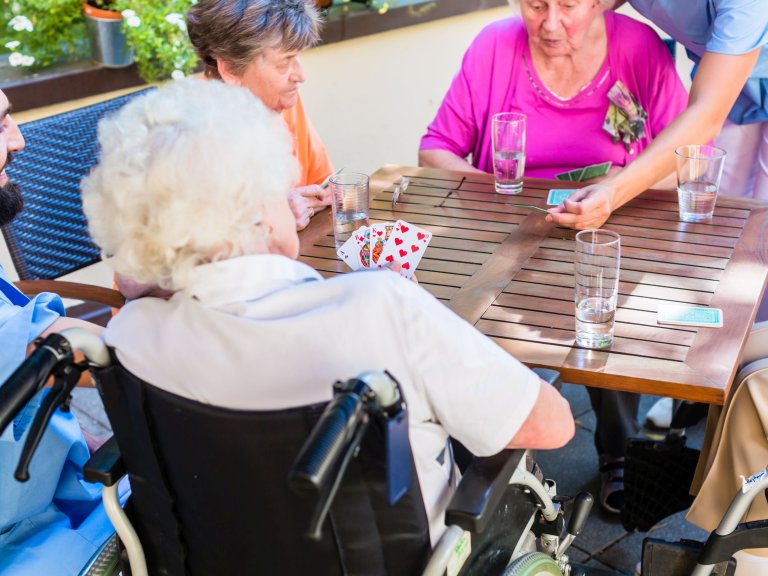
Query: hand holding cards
column 381, row 245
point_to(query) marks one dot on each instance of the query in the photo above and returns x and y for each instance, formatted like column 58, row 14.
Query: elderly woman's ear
column 226, row 73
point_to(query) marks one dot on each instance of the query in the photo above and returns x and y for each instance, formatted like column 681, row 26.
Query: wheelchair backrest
column 210, row 495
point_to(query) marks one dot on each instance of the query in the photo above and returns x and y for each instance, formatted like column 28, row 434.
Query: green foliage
column 157, row 32
column 38, row 33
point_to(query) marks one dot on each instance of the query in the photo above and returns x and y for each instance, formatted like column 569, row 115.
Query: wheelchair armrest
column 481, row 489
column 75, row 290
column 106, row 466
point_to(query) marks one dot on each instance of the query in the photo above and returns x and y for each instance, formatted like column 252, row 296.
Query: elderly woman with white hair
column 257, row 44
column 190, row 194
column 596, row 87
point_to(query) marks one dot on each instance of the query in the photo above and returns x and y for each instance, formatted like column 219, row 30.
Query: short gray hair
column 183, row 174
column 237, row 31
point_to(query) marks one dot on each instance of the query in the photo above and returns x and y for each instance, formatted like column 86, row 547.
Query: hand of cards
column 380, row 245
column 586, row 173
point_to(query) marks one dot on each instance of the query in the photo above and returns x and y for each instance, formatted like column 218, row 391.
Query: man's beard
column 11, row 202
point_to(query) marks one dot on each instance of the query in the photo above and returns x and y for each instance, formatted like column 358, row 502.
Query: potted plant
column 105, row 30
column 157, row 33
column 38, row 33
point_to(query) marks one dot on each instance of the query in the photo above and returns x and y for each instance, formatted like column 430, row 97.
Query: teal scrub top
column 55, row 521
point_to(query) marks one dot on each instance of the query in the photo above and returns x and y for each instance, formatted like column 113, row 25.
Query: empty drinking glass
column 597, row 285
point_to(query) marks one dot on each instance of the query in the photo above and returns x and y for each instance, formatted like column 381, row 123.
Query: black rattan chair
column 50, row 237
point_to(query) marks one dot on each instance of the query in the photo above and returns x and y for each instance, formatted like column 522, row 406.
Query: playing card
column 406, row 245
column 571, row 175
column 690, row 315
column 556, row 197
column 350, row 253
column 595, row 170
column 362, row 238
column 379, row 235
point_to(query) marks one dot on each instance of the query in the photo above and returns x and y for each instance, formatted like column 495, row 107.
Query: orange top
column 309, row 150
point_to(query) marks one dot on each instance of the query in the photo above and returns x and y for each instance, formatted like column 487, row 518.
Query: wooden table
column 510, row 273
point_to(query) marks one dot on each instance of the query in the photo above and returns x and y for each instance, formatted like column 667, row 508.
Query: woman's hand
column 586, row 208
column 307, row 201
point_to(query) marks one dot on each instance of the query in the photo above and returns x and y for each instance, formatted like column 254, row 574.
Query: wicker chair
column 50, row 237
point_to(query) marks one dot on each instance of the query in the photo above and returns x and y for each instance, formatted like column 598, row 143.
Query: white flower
column 178, row 63
column 20, row 23
column 15, row 59
column 13, row 44
column 128, row 14
column 177, row 74
column 133, row 21
column 27, row 60
column 176, row 19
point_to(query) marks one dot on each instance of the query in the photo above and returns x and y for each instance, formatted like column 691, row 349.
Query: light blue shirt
column 54, row 522
column 723, row 27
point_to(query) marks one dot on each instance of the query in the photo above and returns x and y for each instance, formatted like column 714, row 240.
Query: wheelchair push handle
column 345, row 418
column 53, row 356
column 582, row 505
column 28, row 378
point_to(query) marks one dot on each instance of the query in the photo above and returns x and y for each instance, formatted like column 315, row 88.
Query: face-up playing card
column 406, row 245
column 379, row 235
column 362, row 238
column 350, row 253
column 556, row 197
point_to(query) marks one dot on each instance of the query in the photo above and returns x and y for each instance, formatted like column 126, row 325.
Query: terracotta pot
column 99, row 13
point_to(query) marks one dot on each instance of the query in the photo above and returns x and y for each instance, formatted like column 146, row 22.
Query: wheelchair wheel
column 533, row 564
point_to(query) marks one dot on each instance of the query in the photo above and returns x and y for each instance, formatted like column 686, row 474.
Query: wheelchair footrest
column 662, row 558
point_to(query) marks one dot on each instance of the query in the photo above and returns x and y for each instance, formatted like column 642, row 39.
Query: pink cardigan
column 496, row 75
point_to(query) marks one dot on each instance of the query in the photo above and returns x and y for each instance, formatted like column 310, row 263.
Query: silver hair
column 237, row 31
column 182, row 178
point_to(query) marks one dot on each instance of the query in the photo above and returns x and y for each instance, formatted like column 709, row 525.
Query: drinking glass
column 508, row 139
column 699, row 169
column 350, row 204
column 597, row 285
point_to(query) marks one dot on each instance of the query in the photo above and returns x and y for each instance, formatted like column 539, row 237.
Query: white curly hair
column 183, row 175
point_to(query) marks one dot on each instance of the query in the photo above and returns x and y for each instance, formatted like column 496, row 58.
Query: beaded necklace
column 565, row 102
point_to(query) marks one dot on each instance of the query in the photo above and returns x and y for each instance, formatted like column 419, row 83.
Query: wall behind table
column 371, row 98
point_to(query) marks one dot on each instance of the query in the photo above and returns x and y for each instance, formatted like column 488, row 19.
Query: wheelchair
column 322, row 489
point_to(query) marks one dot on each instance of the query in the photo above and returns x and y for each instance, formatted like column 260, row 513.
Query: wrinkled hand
column 307, row 201
column 589, row 207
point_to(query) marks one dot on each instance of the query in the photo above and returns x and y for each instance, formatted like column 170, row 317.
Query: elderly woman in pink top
column 596, row 87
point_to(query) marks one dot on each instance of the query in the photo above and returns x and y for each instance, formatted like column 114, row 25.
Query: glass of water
column 597, row 286
column 349, row 191
column 699, row 169
column 508, row 139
